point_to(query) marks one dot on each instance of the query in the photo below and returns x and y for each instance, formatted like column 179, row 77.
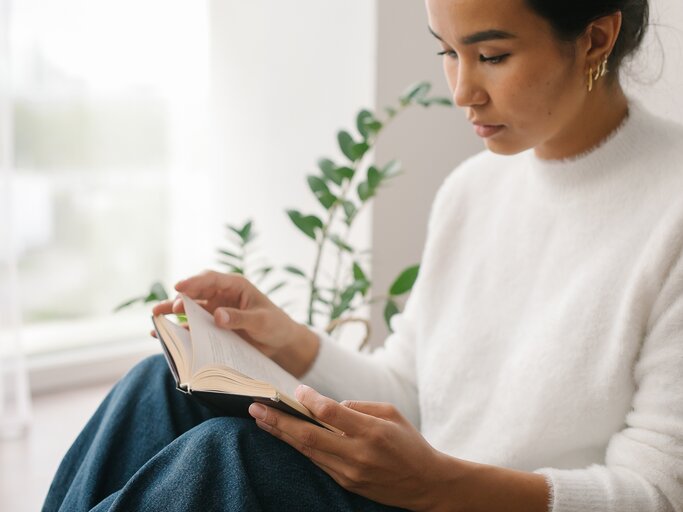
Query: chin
column 505, row 148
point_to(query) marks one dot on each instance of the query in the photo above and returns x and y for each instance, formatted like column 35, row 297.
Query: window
column 101, row 93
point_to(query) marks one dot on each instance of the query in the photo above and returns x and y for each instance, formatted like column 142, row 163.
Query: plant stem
column 330, row 220
column 321, row 244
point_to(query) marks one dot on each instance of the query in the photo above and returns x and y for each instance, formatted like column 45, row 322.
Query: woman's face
column 518, row 85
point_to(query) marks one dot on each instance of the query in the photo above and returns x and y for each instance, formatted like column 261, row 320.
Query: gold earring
column 604, row 69
column 590, row 79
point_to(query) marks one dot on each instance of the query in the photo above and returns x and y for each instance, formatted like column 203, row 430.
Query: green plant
column 343, row 190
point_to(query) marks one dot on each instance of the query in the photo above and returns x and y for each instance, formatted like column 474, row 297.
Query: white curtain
column 14, row 392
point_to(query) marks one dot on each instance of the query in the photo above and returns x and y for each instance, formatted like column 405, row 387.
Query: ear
column 599, row 38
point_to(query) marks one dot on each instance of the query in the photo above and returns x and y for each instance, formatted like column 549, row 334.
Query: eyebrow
column 478, row 37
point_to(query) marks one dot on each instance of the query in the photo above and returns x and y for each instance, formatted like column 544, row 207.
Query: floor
column 28, row 464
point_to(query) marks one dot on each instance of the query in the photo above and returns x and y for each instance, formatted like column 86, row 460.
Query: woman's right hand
column 236, row 304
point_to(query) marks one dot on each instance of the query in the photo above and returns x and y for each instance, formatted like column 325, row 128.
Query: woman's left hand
column 380, row 455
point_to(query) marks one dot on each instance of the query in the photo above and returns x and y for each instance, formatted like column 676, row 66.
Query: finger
column 163, row 308
column 232, row 318
column 178, row 306
column 153, row 333
column 306, row 434
column 327, row 461
column 208, row 284
column 328, row 411
column 377, row 409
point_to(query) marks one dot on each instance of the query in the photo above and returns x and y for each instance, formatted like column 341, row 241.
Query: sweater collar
column 619, row 148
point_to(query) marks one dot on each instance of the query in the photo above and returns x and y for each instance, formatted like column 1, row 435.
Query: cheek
column 537, row 96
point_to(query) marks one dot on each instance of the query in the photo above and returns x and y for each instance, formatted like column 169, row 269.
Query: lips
column 487, row 130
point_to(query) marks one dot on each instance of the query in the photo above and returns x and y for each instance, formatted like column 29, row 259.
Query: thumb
column 230, row 318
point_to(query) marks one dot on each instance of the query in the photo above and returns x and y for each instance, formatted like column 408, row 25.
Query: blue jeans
column 150, row 448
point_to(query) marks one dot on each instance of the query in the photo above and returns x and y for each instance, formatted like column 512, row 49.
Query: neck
column 602, row 111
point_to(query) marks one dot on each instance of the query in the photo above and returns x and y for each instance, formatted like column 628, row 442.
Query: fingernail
column 299, row 391
column 258, row 411
column 223, row 317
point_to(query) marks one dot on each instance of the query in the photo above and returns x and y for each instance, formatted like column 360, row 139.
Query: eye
column 497, row 59
column 448, row 53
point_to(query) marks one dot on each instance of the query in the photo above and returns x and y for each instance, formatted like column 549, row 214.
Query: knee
column 151, row 371
column 227, row 432
column 150, row 366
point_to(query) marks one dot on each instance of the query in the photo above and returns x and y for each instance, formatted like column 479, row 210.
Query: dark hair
column 570, row 18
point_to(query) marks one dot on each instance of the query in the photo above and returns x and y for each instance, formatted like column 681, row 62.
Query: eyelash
column 497, row 59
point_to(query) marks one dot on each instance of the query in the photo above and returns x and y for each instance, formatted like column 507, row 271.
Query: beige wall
column 655, row 76
column 429, row 142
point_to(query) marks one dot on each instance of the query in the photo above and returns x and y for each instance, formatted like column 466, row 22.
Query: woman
column 539, row 362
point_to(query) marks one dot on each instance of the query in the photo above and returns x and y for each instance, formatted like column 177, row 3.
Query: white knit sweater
column 545, row 331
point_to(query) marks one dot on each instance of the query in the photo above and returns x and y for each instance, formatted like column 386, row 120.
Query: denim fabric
column 150, row 448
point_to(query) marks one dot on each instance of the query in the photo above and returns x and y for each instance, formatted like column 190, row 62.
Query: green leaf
column 330, row 171
column 336, row 240
column 322, row 301
column 415, row 93
column 362, row 120
column 181, row 318
column 358, row 150
column 294, row 270
column 276, row 287
column 367, row 124
column 375, row 126
column 128, row 303
column 245, row 232
column 346, row 144
column 346, row 172
column 436, row 101
column 233, row 268
column 391, row 112
column 391, row 169
column 260, row 274
column 350, row 210
column 340, row 309
column 306, row 223
column 229, row 254
column 349, row 293
column 361, row 285
column 358, row 273
column 405, row 281
column 322, row 193
column 374, row 177
column 352, row 150
column 390, row 310
column 157, row 293
column 364, row 191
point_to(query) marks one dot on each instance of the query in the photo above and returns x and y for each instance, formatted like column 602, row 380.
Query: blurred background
column 131, row 132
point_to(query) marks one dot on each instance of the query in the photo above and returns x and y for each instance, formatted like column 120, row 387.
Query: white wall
column 287, row 76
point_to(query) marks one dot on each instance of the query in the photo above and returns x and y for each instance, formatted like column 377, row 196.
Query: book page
column 180, row 339
column 215, row 346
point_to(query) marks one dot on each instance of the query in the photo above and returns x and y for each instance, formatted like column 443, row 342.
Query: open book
column 222, row 370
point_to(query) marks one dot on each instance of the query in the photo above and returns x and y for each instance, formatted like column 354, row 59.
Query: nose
column 468, row 90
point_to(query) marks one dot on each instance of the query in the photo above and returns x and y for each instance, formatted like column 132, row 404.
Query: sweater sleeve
column 388, row 374
column 643, row 468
